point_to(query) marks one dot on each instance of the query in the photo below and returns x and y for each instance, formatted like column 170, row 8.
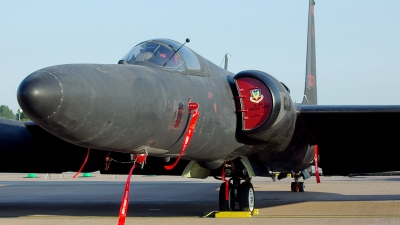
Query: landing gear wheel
column 294, row 187
column 225, row 205
column 246, row 197
column 301, row 186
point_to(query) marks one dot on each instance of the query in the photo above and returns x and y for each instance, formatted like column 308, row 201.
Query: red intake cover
column 256, row 102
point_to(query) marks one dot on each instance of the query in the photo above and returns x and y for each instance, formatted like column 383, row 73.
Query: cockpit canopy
column 160, row 52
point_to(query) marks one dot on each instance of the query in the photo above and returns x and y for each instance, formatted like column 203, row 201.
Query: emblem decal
column 256, row 96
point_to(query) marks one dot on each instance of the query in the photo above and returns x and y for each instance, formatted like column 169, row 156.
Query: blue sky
column 357, row 42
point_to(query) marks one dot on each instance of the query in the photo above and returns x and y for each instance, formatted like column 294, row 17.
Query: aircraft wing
column 26, row 147
column 352, row 138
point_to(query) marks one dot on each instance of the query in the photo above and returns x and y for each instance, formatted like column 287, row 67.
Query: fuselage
column 142, row 105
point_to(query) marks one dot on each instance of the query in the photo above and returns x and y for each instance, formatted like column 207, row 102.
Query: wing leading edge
column 352, row 138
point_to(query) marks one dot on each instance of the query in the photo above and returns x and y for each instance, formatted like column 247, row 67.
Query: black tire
column 246, row 197
column 294, row 187
column 224, row 205
column 302, row 186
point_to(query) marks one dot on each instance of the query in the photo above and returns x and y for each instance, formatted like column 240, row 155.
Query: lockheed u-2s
column 190, row 117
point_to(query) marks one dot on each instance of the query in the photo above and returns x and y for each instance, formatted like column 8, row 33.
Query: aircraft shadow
column 148, row 199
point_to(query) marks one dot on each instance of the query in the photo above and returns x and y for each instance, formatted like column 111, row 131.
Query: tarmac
column 175, row 200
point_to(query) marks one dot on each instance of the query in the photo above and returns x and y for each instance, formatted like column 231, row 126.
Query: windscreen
column 155, row 53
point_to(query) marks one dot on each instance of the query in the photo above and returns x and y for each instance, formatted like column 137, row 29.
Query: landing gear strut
column 240, row 192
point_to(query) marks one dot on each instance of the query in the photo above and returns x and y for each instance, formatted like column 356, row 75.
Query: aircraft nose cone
column 40, row 95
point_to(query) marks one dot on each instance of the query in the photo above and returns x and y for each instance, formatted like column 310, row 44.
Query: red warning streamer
column 226, row 183
column 189, row 133
column 84, row 163
column 316, row 163
column 125, row 198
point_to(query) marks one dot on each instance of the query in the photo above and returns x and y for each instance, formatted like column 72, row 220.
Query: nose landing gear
column 297, row 186
column 240, row 192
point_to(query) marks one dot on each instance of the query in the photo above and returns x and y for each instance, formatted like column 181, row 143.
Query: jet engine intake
column 266, row 109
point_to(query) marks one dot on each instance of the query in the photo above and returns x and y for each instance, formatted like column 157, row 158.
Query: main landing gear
column 237, row 193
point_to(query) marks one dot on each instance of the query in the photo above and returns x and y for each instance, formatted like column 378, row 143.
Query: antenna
column 226, row 61
column 187, row 41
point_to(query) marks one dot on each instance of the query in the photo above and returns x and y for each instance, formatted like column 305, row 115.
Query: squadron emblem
column 256, row 96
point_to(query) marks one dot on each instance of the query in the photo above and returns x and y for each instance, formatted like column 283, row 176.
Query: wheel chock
column 256, row 212
column 235, row 214
column 229, row 214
